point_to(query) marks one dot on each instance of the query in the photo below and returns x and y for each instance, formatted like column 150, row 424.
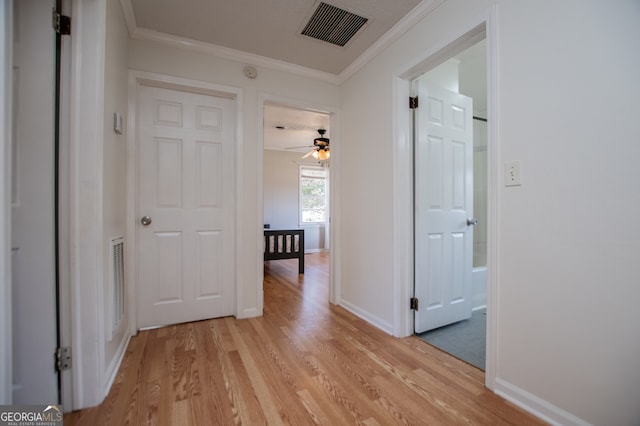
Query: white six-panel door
column 186, row 255
column 443, row 203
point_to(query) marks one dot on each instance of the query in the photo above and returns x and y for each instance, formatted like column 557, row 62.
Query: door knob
column 145, row 220
column 472, row 222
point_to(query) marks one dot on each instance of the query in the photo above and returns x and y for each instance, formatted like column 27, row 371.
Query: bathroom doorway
column 464, row 335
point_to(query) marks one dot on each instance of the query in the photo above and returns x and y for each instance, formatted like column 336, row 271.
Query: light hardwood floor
column 304, row 362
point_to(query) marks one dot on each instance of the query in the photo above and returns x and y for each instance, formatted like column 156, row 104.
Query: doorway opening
column 453, row 295
column 297, row 175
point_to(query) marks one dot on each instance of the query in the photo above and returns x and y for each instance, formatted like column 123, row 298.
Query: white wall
column 281, row 186
column 567, row 289
column 281, row 189
column 114, row 169
column 153, row 57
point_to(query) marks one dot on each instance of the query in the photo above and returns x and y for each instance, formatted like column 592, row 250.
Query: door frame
column 334, row 193
column 141, row 78
column 459, row 38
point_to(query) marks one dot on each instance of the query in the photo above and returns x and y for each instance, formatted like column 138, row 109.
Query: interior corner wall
column 114, row 173
column 157, row 58
column 567, row 286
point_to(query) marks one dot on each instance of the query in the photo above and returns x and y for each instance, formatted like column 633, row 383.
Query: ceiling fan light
column 322, row 154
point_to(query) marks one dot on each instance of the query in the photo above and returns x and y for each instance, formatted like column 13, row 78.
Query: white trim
column 141, row 78
column 418, row 13
column 85, row 197
column 232, row 54
column 6, row 77
column 112, row 370
column 334, row 193
column 313, row 251
column 367, row 316
column 64, row 260
column 493, row 197
column 402, row 157
column 537, row 406
column 132, row 182
column 129, row 16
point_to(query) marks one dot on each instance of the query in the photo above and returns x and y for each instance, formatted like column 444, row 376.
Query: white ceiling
column 267, row 33
column 268, row 28
column 300, row 128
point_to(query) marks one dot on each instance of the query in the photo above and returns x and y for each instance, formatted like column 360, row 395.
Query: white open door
column 33, row 268
column 186, row 224
column 443, row 203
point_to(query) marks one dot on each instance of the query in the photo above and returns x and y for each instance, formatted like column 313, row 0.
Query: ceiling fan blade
column 298, row 147
column 309, row 153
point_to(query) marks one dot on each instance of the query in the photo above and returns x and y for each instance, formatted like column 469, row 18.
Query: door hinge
column 63, row 359
column 413, row 303
column 61, row 23
column 413, row 102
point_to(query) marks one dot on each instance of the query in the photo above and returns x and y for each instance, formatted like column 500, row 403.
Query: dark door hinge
column 61, row 23
column 63, row 359
column 413, row 102
column 413, row 303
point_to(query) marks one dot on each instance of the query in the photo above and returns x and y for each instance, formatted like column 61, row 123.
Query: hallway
column 303, row 362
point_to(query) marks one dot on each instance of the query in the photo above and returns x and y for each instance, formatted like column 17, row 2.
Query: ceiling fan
column 321, row 147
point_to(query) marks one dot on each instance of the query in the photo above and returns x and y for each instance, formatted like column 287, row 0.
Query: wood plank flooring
column 304, row 362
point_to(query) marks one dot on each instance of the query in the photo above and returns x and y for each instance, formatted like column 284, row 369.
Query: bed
column 285, row 244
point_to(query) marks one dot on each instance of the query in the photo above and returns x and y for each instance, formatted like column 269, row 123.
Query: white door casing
column 186, row 256
column 34, row 318
column 443, row 195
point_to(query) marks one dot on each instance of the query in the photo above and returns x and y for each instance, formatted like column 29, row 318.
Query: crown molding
column 405, row 24
column 232, row 54
column 129, row 16
column 400, row 28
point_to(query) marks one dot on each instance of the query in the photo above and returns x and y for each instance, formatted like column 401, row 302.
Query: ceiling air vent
column 333, row 25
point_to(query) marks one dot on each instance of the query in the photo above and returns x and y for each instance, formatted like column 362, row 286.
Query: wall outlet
column 512, row 173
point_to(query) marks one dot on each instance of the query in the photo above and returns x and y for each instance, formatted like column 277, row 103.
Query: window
column 312, row 194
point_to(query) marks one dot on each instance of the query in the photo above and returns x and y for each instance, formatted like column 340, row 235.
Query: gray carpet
column 465, row 339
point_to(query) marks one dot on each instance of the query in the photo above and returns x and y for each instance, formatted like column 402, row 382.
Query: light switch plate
column 512, row 175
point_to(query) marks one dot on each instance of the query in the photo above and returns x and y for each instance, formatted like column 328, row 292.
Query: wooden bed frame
column 285, row 244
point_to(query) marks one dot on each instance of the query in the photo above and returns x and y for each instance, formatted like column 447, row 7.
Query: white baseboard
column 112, row 370
column 248, row 313
column 536, row 406
column 318, row 250
column 367, row 316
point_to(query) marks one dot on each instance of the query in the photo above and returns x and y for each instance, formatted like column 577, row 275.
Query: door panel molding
column 443, row 200
column 137, row 79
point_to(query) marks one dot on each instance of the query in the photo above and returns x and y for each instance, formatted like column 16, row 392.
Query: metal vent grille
column 117, row 282
column 333, row 25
